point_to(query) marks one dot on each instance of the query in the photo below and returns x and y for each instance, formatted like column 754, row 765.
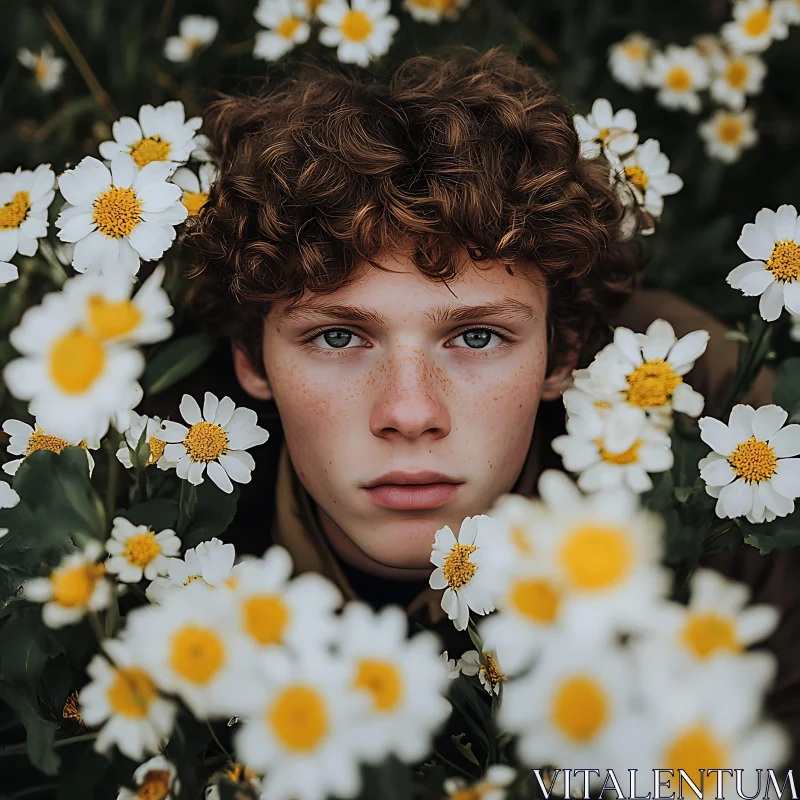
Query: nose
column 411, row 399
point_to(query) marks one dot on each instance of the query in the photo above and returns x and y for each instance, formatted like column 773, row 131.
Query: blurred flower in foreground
column 47, row 68
column 789, row 10
column 8, row 273
column 755, row 24
column 679, row 73
column 156, row 778
column 137, row 552
column 287, row 25
column 24, row 440
column 194, row 31
column 195, row 187
column 629, row 60
column 752, row 470
column 25, row 196
column 727, row 133
column 737, row 76
column 602, row 130
column 492, row 786
column 434, row 11
column 709, row 45
column 773, row 242
column 133, row 433
column 360, row 32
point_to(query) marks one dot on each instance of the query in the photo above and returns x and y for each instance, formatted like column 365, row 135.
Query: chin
column 404, row 544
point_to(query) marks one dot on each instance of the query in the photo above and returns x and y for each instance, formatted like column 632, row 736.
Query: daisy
column 143, row 429
column 492, row 786
column 629, row 60
column 727, row 133
column 602, row 130
column 162, row 134
column 646, row 371
column 216, row 440
column 434, row 11
column 485, row 667
column 773, row 243
column 24, row 440
column 458, row 569
column 195, row 187
column 753, row 469
column 736, row 77
column 614, row 447
column 194, row 31
column 287, row 25
column 25, row 196
column 124, row 699
column 304, row 728
column 76, row 586
column 47, row 68
column 120, row 216
column 156, row 778
column 755, row 24
column 202, row 148
column 210, row 563
column 679, row 73
column 453, row 670
column 122, row 417
column 789, row 10
column 8, row 273
column 136, row 551
column 360, row 32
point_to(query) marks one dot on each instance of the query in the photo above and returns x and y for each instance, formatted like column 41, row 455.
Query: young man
column 408, row 273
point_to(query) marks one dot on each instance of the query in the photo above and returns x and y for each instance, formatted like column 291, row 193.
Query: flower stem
column 22, row 747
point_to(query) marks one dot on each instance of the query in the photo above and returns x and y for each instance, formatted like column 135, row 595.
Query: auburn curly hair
column 324, row 171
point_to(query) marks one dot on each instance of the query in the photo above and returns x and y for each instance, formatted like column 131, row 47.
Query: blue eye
column 477, row 338
column 336, row 338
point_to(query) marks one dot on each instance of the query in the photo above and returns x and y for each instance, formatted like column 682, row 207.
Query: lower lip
column 412, row 496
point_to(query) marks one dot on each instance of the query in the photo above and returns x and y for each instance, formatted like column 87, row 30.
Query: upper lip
column 399, row 477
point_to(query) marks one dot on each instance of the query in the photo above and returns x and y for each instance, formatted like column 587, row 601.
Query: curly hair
column 326, row 171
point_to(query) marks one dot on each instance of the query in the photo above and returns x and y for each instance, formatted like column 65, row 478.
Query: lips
column 412, row 491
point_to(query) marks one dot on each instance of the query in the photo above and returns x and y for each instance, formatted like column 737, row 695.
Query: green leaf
column 465, row 749
column 211, row 515
column 23, row 648
column 176, row 360
column 768, row 536
column 40, row 732
column 390, row 780
column 156, row 514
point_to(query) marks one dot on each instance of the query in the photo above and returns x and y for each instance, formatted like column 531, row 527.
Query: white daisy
column 755, row 24
column 195, row 187
column 162, row 134
column 24, row 440
column 156, row 778
column 120, row 216
column 360, row 32
column 122, row 417
column 727, row 133
column 76, row 586
column 458, row 569
column 736, row 77
column 629, row 60
column 434, row 11
column 123, row 698
column 47, row 68
column 202, row 148
column 147, row 427
column 773, row 243
column 287, row 25
column 679, row 73
column 602, row 130
column 646, row 371
column 453, row 670
column 194, row 31
column 789, row 10
column 210, row 563
column 216, row 440
column 753, row 469
column 486, row 667
column 492, row 786
column 136, row 551
column 8, row 273
column 304, row 728
column 25, row 196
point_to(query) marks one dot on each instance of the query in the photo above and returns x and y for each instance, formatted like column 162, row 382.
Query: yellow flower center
column 117, row 212
column 603, row 134
column 580, row 708
column 155, row 785
column 492, row 671
column 239, row 773
column 73, row 587
column 706, row 633
column 730, row 131
column 194, row 202
column 298, row 718
column 41, row 69
column 288, row 27
column 634, row 50
column 637, row 177
column 596, row 556
column 754, row 461
column 205, row 441
column 266, row 617
column 109, row 320
column 39, row 440
column 132, row 693
column 76, row 361
column 784, row 263
column 693, row 751
column 156, row 450
column 736, row 73
column 382, row 680
column 678, row 79
column 535, row 599
column 197, row 654
column 466, row 794
column 15, row 211
column 153, row 148
column 458, row 569
column 652, row 384
column 192, row 43
column 356, row 26
column 191, row 579
column 629, row 456
column 758, row 23
column 141, row 549
column 520, row 539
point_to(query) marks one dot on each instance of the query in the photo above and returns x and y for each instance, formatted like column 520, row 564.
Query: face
column 397, row 374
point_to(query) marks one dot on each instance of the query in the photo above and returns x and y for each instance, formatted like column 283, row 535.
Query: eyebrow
column 510, row 308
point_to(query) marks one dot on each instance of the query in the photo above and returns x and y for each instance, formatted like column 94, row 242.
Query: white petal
column 220, row 477
column 791, row 296
column 771, row 303
column 736, row 498
column 717, row 435
column 190, row 410
column 786, row 442
column 625, row 339
column 195, row 474
column 767, row 421
column 234, row 468
column 717, row 473
column 210, row 404
column 755, row 242
column 687, row 400
column 82, row 184
column 688, row 349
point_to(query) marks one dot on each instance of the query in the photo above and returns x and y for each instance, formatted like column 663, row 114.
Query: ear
column 556, row 380
column 253, row 381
